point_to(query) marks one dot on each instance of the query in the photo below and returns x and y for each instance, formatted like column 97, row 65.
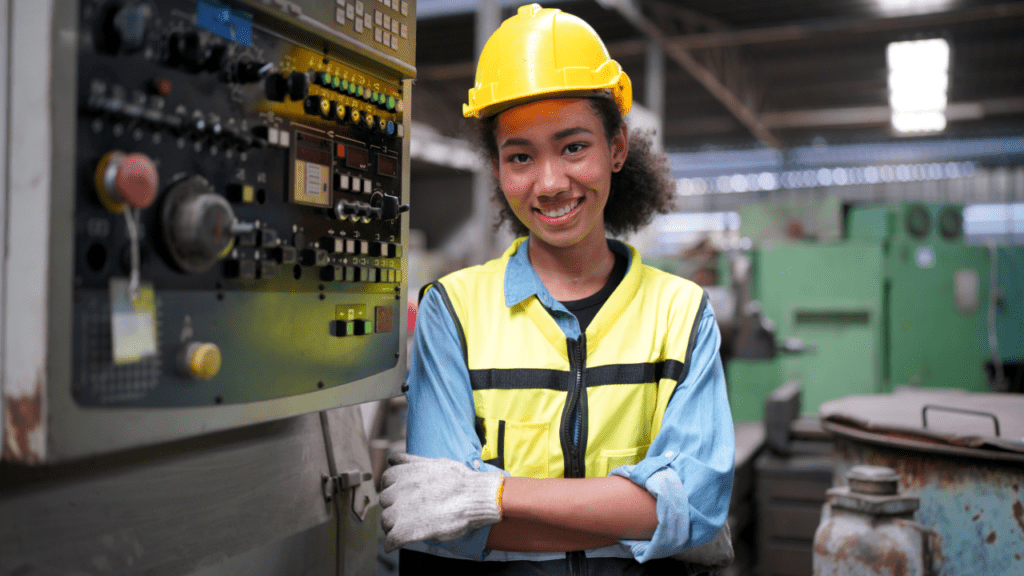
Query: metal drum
column 868, row 528
column 960, row 454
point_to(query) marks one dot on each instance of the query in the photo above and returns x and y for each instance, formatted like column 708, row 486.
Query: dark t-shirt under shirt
column 586, row 308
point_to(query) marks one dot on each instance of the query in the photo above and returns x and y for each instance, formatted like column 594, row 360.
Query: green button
column 367, row 326
column 359, row 91
column 351, row 87
column 325, row 79
column 336, row 83
column 344, row 85
column 350, row 328
column 391, row 103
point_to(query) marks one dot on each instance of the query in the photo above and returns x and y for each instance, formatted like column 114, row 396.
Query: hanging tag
column 132, row 322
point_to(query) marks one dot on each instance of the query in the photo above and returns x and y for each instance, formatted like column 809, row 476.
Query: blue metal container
column 970, row 482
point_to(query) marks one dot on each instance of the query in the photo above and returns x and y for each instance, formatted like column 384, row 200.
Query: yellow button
column 204, row 360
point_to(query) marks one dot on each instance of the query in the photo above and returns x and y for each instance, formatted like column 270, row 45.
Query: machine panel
column 236, row 249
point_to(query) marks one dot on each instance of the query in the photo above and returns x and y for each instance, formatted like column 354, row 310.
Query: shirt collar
column 522, row 281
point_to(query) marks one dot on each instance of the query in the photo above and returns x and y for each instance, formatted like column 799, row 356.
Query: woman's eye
column 519, row 158
column 574, row 148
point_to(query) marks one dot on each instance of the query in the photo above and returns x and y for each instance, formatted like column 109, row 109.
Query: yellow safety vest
column 528, row 378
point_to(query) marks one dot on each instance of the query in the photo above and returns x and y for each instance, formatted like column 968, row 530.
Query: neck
column 573, row 272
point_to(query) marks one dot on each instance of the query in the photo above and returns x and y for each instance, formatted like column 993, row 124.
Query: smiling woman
column 567, row 405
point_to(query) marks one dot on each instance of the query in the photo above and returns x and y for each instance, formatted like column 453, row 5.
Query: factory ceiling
column 746, row 74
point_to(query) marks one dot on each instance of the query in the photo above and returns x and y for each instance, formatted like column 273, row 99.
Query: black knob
column 130, row 24
column 298, row 86
column 311, row 105
column 390, row 207
column 276, row 87
column 187, row 50
column 247, row 72
column 217, row 56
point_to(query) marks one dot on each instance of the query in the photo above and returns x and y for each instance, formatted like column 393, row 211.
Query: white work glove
column 435, row 499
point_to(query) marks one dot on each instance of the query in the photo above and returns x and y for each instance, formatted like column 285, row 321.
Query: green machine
column 864, row 299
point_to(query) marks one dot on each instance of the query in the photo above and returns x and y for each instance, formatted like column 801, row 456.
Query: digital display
column 356, row 157
column 387, row 165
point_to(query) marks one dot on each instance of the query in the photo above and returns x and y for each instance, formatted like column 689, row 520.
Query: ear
column 620, row 147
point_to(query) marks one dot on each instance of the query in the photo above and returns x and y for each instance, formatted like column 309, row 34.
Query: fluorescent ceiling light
column 918, row 84
column 907, row 7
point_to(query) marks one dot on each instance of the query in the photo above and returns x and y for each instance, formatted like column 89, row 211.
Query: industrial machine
column 205, row 225
column 894, row 298
column 204, row 269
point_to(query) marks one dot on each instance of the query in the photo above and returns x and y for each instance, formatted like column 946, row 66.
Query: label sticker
column 132, row 322
column 312, row 183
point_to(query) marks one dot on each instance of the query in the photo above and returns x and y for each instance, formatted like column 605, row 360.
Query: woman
column 567, row 408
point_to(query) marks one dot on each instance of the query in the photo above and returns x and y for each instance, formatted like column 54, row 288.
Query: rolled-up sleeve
column 689, row 465
column 441, row 409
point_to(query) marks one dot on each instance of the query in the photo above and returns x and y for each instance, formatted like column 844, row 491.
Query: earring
column 618, row 165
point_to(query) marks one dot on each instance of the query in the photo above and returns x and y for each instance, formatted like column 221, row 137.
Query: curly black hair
column 640, row 189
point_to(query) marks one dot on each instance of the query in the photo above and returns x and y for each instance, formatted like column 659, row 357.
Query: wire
column 131, row 217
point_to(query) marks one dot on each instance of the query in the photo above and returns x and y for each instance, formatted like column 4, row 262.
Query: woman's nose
column 553, row 178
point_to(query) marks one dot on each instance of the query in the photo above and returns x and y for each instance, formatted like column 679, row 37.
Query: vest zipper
column 572, row 427
column 573, row 436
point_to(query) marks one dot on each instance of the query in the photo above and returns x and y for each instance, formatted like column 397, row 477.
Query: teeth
column 562, row 211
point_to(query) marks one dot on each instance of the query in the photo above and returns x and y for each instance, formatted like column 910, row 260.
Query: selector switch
column 298, row 86
column 332, row 244
column 310, row 257
column 332, row 273
column 312, row 105
column 285, row 254
column 276, row 88
column 247, row 71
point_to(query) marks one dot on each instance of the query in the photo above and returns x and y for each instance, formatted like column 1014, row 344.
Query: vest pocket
column 611, row 459
column 521, row 448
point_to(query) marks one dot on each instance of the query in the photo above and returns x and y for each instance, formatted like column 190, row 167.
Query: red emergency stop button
column 126, row 179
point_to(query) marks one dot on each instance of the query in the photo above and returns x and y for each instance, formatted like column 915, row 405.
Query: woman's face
column 554, row 166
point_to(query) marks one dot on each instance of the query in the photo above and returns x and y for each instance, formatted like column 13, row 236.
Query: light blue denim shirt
column 688, row 467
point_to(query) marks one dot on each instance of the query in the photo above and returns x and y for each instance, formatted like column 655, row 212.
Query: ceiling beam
column 711, row 81
column 875, row 115
column 790, row 32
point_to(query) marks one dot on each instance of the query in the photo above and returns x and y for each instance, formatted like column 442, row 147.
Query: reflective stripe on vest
column 527, row 377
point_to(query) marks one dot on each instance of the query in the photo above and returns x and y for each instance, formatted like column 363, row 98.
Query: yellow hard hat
column 544, row 52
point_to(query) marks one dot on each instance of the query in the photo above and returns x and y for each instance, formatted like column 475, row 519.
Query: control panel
column 238, row 210
column 204, row 216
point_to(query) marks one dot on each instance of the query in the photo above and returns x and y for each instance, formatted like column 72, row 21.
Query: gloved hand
column 435, row 499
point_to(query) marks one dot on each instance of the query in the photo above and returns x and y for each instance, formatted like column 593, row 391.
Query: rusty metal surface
column 898, row 419
column 917, row 443
column 23, row 428
column 851, row 544
column 974, row 504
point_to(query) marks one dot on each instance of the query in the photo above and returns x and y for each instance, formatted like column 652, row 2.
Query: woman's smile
column 554, row 166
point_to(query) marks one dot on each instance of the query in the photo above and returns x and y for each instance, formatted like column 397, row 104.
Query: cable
column 131, row 217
